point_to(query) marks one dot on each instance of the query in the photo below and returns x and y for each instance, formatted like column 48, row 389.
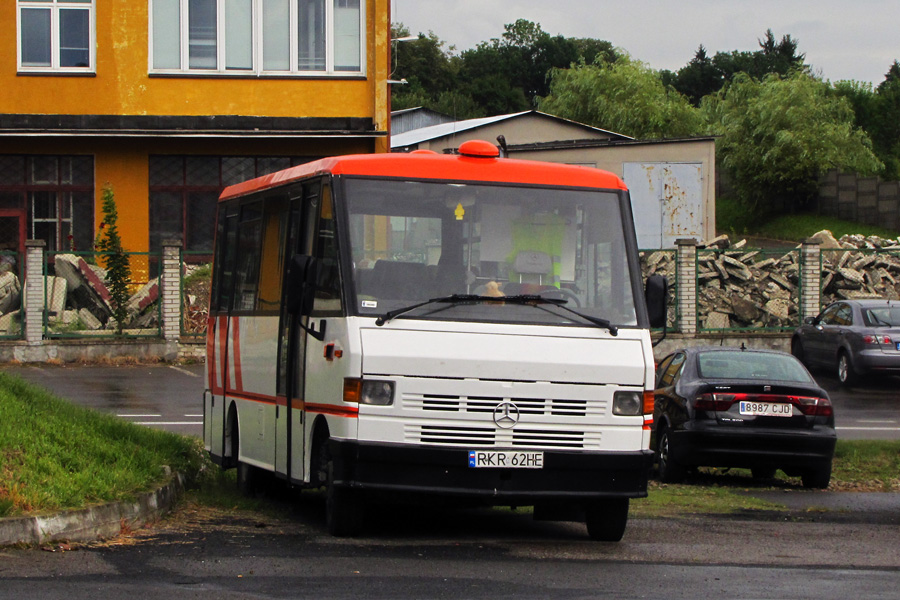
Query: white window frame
column 55, row 6
column 257, row 42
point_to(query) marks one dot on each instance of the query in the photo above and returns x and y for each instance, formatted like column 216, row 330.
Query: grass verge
column 737, row 221
column 55, row 455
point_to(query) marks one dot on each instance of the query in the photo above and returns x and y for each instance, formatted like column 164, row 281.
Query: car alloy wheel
column 845, row 372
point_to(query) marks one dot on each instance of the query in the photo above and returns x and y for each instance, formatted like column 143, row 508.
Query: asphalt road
column 412, row 554
column 165, row 396
column 823, row 545
column 170, row 397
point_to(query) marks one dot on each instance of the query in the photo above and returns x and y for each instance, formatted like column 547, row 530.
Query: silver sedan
column 854, row 337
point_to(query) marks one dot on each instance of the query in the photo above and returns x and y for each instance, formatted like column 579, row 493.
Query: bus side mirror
column 657, row 294
column 303, row 272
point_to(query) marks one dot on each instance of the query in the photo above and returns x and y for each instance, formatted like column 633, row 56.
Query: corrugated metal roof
column 417, row 136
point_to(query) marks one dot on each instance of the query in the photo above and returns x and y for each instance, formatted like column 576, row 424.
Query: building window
column 54, row 195
column 257, row 37
column 184, row 191
column 56, row 35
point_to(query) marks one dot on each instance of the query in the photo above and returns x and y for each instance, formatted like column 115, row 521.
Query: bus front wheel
column 606, row 519
column 344, row 510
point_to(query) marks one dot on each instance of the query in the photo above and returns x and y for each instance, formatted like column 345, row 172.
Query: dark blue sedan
column 735, row 407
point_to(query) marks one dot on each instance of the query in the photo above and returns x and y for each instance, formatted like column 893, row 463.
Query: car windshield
column 882, row 316
column 412, row 241
column 751, row 365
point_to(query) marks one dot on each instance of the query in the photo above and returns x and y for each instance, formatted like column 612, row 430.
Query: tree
column 698, row 78
column 118, row 270
column 779, row 134
column 626, row 96
column 885, row 123
column 704, row 75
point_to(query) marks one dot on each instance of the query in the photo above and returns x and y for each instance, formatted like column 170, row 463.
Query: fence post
column 686, row 290
column 34, row 291
column 810, row 278
column 170, row 293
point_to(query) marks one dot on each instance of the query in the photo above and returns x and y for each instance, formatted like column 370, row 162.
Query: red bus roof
column 477, row 166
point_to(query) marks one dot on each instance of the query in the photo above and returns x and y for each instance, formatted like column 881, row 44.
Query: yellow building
column 169, row 101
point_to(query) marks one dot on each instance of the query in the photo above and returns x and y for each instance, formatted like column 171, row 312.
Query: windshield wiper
column 518, row 299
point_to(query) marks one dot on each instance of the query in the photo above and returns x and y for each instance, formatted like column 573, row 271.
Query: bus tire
column 344, row 514
column 247, row 475
column 606, row 519
column 247, row 479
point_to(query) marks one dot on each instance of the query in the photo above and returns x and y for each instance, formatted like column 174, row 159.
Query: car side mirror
column 656, row 294
column 811, row 320
column 302, row 275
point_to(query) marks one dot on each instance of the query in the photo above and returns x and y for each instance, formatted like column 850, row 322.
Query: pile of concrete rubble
column 76, row 299
column 741, row 287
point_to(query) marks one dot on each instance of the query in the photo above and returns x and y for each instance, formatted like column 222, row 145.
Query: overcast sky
column 842, row 39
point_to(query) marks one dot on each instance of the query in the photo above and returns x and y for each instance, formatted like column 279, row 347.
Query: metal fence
column 856, row 274
column 196, row 279
column 77, row 301
column 11, row 295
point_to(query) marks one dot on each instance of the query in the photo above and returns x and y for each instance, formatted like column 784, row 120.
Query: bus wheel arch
column 231, row 446
column 319, row 453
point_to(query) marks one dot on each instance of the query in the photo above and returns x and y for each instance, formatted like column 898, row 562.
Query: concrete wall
column 862, row 199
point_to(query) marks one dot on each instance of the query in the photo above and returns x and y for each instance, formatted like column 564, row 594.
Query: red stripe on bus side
column 211, row 355
column 238, row 376
column 350, row 412
column 260, row 398
column 223, row 350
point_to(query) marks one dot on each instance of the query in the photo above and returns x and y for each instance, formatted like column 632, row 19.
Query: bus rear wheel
column 344, row 510
column 247, row 475
column 606, row 519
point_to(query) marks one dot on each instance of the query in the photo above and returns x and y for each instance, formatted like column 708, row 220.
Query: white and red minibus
column 463, row 326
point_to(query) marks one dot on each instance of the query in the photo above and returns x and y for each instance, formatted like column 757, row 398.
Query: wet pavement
column 164, row 396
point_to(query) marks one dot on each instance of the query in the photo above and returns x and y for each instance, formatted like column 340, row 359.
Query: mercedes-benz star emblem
column 506, row 415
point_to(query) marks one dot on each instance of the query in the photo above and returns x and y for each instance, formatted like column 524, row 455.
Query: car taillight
column 812, row 406
column 877, row 339
column 714, row 402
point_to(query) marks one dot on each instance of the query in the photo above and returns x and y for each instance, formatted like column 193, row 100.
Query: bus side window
column 225, row 259
column 274, row 244
column 328, row 289
column 247, row 277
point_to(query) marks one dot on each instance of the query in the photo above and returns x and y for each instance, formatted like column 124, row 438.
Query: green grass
column 873, row 464
column 801, row 226
column 55, row 455
column 735, row 220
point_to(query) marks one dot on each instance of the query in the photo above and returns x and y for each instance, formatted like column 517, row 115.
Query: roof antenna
column 504, row 153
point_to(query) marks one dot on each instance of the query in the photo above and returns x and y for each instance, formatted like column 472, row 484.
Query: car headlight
column 369, row 391
column 630, row 404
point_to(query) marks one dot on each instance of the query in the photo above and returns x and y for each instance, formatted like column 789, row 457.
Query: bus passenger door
column 290, row 456
column 214, row 405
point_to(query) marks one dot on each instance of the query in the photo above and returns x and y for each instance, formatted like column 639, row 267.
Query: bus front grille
column 466, row 436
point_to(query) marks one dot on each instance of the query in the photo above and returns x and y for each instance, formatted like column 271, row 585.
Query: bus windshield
column 412, row 241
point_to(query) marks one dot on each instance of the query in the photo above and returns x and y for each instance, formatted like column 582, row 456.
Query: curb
column 92, row 523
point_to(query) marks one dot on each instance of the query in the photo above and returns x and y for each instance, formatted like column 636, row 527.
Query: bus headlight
column 369, row 391
column 630, row 404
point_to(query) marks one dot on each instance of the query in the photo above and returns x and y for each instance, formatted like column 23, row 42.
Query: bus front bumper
column 578, row 476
